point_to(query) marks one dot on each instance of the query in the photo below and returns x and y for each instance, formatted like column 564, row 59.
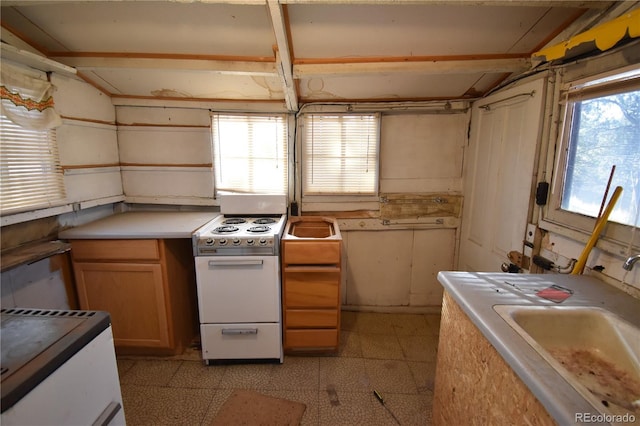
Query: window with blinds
column 30, row 172
column 340, row 154
column 250, row 153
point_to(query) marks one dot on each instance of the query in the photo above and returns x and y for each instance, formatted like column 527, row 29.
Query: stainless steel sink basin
column 597, row 352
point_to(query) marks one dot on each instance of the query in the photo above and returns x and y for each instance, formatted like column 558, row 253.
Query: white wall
column 165, row 155
column 422, row 152
column 87, row 142
column 394, row 267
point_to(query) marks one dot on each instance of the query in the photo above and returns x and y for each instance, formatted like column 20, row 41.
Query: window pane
column 340, row 154
column 605, row 132
column 250, row 153
column 30, row 173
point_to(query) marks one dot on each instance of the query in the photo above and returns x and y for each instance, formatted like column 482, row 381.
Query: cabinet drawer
column 246, row 340
column 311, row 339
column 311, row 289
column 311, row 318
column 128, row 250
column 311, row 252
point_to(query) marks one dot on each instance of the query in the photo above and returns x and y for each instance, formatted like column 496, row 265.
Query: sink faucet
column 628, row 265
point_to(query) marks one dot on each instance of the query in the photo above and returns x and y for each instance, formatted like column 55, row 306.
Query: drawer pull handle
column 108, row 414
column 234, row 263
column 239, row 331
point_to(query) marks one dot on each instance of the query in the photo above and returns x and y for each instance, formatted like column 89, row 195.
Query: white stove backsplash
column 252, row 204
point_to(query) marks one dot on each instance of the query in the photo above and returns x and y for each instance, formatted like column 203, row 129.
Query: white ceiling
column 291, row 52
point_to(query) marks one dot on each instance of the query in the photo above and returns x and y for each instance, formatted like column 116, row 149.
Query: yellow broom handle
column 600, row 224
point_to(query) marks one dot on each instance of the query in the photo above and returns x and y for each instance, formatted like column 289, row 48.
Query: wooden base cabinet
column 474, row 384
column 147, row 286
column 311, row 274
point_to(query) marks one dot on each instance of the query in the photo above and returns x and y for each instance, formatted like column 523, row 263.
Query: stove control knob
column 263, row 242
column 209, row 241
column 222, row 242
column 250, row 242
column 236, row 242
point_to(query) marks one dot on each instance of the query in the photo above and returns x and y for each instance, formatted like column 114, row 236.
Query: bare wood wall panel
column 75, row 98
column 379, row 268
column 158, row 145
column 432, row 252
column 165, row 155
column 396, row 268
column 87, row 141
column 84, row 143
column 422, row 152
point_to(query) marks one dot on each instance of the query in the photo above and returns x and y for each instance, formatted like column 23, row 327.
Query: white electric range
column 238, row 279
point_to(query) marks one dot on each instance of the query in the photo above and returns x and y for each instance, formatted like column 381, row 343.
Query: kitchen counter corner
column 478, row 293
column 141, row 225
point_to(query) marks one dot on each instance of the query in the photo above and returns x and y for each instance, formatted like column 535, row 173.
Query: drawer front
column 311, row 318
column 311, row 252
column 311, row 339
column 241, row 341
column 98, row 250
column 311, row 289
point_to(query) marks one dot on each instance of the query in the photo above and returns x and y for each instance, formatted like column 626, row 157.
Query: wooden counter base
column 148, row 288
column 474, row 385
column 311, row 275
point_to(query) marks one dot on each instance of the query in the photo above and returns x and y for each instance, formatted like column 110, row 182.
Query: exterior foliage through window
column 604, row 132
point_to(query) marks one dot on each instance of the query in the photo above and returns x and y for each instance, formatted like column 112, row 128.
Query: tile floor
column 394, row 354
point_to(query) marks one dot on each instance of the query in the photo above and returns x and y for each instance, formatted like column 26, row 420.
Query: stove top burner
column 234, row 221
column 240, row 235
column 259, row 229
column 226, row 229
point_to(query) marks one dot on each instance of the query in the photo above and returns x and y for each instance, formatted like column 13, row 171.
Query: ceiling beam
column 230, row 67
column 414, row 67
column 33, row 60
column 283, row 58
column 580, row 4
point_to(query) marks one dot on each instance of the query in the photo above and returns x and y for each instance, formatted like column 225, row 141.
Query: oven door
column 238, row 289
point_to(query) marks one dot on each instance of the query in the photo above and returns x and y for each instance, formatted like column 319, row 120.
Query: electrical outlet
column 531, row 233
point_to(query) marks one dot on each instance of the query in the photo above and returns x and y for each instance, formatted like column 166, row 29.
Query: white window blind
column 340, row 154
column 30, row 172
column 250, row 153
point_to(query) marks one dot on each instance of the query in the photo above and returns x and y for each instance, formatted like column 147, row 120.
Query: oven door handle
column 239, row 331
column 226, row 263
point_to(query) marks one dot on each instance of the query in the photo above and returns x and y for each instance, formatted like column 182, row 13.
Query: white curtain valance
column 26, row 99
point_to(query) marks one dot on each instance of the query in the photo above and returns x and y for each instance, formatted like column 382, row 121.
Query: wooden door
column 134, row 296
column 499, row 175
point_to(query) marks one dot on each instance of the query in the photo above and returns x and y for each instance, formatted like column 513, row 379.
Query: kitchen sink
column 594, row 350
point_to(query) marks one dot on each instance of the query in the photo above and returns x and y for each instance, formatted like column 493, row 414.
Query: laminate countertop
column 478, row 293
column 141, row 225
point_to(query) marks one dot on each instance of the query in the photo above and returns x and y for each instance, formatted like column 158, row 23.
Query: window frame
column 285, row 147
column 553, row 217
column 318, row 197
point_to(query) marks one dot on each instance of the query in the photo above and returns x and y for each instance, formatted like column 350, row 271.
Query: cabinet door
column 134, row 296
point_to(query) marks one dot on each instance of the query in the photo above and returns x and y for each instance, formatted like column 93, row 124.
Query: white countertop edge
column 558, row 397
column 141, row 225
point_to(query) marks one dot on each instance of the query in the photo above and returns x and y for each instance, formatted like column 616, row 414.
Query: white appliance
column 59, row 368
column 238, row 279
